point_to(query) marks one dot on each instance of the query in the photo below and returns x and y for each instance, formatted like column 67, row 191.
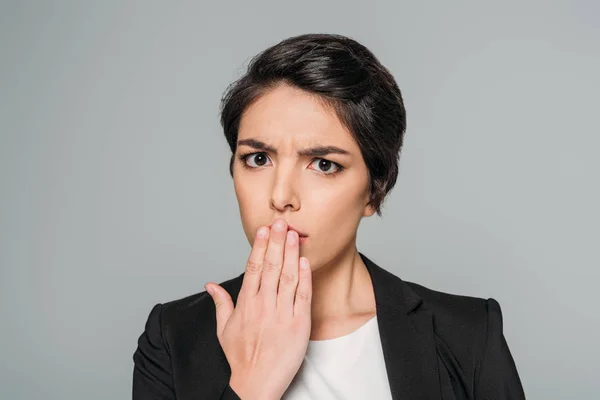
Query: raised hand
column 265, row 337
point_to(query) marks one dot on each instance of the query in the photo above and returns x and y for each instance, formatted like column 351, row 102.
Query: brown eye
column 259, row 160
column 325, row 166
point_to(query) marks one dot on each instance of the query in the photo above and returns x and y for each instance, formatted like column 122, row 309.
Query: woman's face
column 296, row 161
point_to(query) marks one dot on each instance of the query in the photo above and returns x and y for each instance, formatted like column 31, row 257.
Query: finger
column 223, row 305
column 254, row 265
column 303, row 298
column 288, row 280
column 272, row 264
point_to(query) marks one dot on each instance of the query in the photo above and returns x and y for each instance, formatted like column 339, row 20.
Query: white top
column 345, row 368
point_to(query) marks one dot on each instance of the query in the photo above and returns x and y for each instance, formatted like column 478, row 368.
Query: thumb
column 223, row 305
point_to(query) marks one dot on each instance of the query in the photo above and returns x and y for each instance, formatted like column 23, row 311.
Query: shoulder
column 462, row 313
column 467, row 325
column 470, row 342
column 458, row 307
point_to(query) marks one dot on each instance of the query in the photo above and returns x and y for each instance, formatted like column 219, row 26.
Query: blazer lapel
column 407, row 337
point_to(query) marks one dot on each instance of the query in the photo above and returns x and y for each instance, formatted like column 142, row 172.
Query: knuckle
column 271, row 266
column 253, row 267
column 218, row 304
column 302, row 295
column 288, row 278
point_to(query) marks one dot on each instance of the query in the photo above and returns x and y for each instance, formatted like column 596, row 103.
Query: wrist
column 246, row 391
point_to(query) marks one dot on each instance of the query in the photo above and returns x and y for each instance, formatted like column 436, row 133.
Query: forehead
column 290, row 114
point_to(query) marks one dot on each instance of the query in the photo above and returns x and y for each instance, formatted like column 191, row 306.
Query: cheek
column 251, row 200
column 250, row 196
column 345, row 192
column 334, row 214
column 337, row 206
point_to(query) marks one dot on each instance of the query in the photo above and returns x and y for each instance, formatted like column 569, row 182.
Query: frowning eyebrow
column 317, row 151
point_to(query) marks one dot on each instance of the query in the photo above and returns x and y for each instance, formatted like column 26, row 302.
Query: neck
column 342, row 288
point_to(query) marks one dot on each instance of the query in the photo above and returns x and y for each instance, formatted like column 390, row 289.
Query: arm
column 497, row 377
column 152, row 373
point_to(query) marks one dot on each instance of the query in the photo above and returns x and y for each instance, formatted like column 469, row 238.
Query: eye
column 325, row 166
column 256, row 160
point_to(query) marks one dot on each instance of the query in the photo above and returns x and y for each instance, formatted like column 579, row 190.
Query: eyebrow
column 317, row 151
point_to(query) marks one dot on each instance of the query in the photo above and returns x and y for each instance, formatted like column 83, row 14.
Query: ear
column 369, row 210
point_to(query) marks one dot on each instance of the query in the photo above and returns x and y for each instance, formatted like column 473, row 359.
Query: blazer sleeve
column 152, row 371
column 498, row 378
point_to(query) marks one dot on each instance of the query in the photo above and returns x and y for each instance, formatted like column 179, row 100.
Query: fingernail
column 303, row 263
column 262, row 232
column 291, row 238
column 279, row 225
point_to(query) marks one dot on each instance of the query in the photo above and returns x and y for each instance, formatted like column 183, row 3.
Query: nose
column 284, row 193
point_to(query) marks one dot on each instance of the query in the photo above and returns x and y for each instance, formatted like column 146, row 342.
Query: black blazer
column 436, row 346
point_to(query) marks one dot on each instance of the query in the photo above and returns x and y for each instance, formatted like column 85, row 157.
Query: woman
column 315, row 127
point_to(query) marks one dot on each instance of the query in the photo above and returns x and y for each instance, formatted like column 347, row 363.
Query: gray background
column 115, row 193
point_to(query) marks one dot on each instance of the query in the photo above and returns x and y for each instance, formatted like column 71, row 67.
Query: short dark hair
column 346, row 76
